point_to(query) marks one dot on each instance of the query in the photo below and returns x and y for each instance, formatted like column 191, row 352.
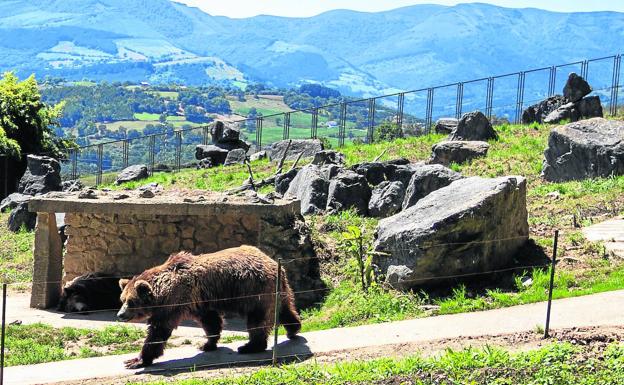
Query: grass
column 554, row 364
column 16, row 257
column 38, row 343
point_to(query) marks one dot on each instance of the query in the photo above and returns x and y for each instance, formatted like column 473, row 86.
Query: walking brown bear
column 238, row 280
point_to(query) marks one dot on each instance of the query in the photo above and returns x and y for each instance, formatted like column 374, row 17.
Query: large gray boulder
column 20, row 218
column 348, row 190
column 13, row 200
column 585, row 149
column 576, row 88
column 236, row 156
column 458, row 151
column 427, row 179
column 132, row 173
column 539, row 111
column 227, row 137
column 309, row 147
column 43, row 174
column 445, row 125
column 473, row 126
column 401, row 173
column 472, row 225
column 386, row 199
column 310, row 186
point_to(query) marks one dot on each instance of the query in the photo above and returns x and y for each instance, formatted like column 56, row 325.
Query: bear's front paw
column 250, row 348
column 209, row 346
column 136, row 363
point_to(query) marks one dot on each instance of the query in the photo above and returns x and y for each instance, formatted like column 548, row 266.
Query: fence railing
column 415, row 112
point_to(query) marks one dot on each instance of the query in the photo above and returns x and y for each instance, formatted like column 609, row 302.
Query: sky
column 306, row 8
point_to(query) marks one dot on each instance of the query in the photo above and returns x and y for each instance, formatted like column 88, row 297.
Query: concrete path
column 594, row 310
column 610, row 232
column 18, row 310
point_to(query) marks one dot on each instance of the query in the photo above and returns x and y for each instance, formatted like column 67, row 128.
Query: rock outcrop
column 310, row 185
column 539, row 111
column 586, row 149
column 472, row 225
column 236, row 156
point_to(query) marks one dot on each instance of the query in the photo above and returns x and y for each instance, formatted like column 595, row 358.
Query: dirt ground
column 598, row 338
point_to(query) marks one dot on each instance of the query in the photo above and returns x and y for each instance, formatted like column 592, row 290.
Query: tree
column 27, row 120
column 27, row 125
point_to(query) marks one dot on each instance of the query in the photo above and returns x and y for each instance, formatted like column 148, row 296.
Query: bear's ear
column 123, row 282
column 143, row 288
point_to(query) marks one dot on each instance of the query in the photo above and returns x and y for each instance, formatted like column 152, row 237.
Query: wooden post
column 552, row 284
column 278, row 284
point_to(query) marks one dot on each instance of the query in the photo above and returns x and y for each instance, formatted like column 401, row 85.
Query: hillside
column 161, row 41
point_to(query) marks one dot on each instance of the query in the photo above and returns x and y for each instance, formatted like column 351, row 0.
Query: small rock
column 328, row 157
column 445, row 125
column 21, row 217
column 553, row 195
column 309, row 147
column 458, row 151
column 87, row 194
column 374, row 172
column 348, row 190
column 72, row 185
column 526, row 281
column 258, row 156
column 132, row 173
column 282, row 181
column 118, row 197
column 386, row 199
column 147, row 194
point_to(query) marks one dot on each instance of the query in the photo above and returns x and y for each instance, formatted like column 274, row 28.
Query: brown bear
column 239, row 280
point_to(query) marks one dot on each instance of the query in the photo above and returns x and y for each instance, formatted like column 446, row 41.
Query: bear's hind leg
column 212, row 323
column 289, row 319
column 258, row 327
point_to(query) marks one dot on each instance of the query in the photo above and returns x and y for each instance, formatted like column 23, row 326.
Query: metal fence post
column 489, row 97
column 343, row 124
column 286, row 134
column 428, row 119
column 371, row 120
column 551, row 81
column 615, row 84
column 126, row 152
column 584, row 69
column 400, row 106
column 459, row 100
column 520, row 97
column 152, row 152
column 205, row 135
column 278, row 285
column 100, row 155
column 178, row 155
column 314, row 124
column 552, row 284
column 4, row 299
column 259, row 122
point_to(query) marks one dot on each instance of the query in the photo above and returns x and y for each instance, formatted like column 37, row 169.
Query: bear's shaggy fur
column 91, row 291
column 239, row 280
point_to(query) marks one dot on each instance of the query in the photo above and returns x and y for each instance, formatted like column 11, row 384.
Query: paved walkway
column 605, row 309
column 610, row 232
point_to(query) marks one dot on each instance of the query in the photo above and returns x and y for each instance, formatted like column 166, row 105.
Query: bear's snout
column 123, row 314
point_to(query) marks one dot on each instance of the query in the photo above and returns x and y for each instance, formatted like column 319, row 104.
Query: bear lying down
column 238, row 280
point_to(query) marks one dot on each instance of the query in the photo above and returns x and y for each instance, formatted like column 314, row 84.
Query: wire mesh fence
column 364, row 120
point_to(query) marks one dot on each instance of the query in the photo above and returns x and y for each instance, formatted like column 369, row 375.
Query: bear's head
column 137, row 298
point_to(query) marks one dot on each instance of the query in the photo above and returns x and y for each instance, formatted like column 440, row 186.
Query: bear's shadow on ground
column 295, row 350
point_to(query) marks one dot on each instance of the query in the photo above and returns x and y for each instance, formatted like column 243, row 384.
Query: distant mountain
column 160, row 41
